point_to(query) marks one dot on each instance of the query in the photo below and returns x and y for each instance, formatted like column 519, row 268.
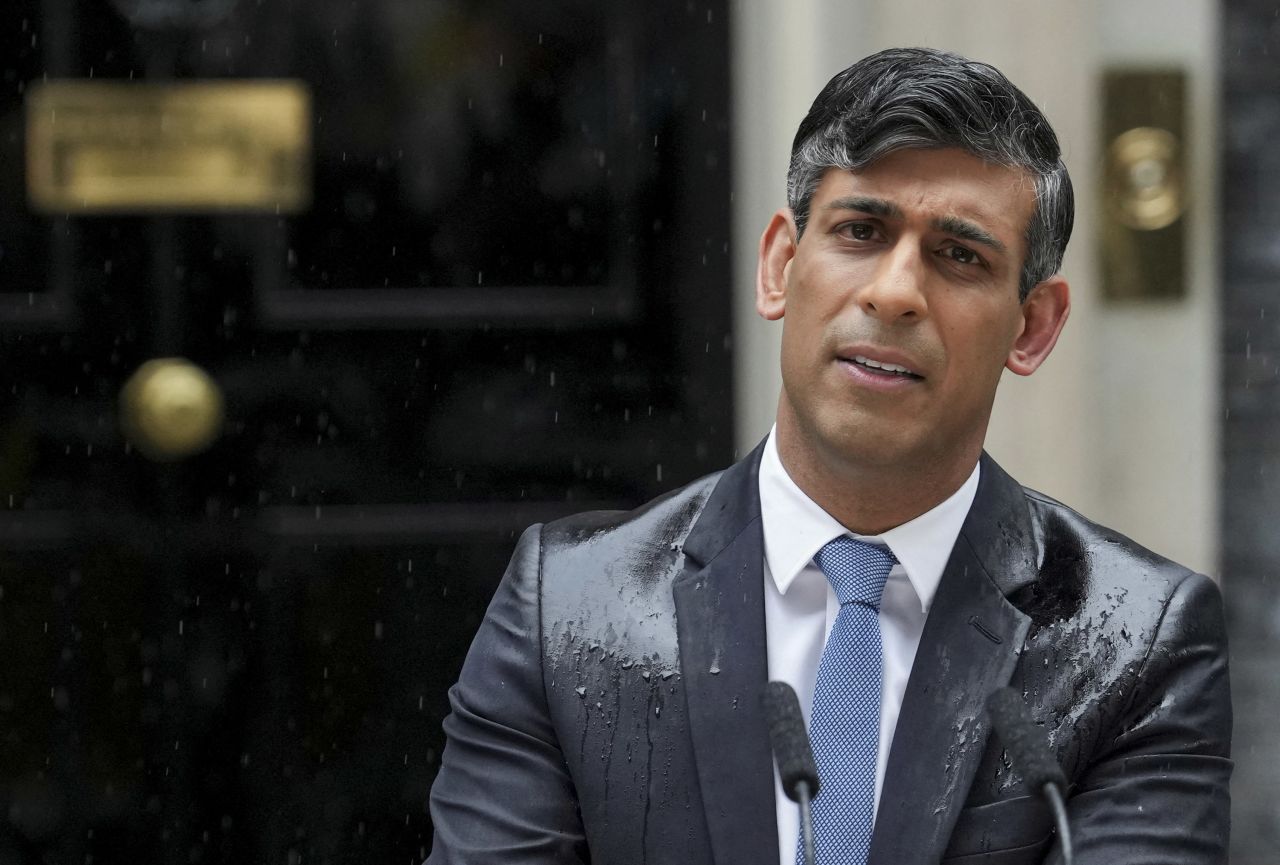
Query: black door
column 506, row 300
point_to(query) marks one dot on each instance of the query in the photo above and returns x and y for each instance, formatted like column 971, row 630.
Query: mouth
column 880, row 368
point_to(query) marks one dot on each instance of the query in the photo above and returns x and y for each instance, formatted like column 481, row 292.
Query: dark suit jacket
column 609, row 709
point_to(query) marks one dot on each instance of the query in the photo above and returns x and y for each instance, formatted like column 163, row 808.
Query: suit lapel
column 969, row 648
column 719, row 602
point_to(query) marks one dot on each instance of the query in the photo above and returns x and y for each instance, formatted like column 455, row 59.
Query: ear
column 777, row 248
column 1044, row 312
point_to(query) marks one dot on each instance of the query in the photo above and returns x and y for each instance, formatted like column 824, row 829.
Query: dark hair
column 923, row 98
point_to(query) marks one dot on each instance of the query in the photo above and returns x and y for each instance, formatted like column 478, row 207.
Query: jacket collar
column 719, row 601
column 969, row 648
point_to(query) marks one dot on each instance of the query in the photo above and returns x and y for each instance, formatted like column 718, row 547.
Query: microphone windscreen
column 790, row 739
column 1026, row 744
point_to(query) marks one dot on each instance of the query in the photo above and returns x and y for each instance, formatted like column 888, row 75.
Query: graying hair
column 922, row 98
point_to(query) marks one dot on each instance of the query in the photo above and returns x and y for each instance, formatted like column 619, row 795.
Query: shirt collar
column 796, row 527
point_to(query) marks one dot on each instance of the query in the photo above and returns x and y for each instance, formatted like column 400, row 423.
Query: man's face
column 900, row 306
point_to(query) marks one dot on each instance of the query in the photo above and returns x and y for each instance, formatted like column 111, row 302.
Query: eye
column 861, row 231
column 962, row 255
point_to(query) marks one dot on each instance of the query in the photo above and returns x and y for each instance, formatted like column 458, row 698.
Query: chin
column 875, row 445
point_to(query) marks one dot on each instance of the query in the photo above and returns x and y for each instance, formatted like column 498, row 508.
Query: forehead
column 935, row 184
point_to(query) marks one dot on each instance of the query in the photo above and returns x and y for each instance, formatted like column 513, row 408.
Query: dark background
column 508, row 301
column 1250, row 341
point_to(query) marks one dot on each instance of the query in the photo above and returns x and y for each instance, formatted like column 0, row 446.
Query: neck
column 868, row 497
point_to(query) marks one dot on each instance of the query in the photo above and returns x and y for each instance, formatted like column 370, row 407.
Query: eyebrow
column 866, row 204
column 961, row 228
column 966, row 230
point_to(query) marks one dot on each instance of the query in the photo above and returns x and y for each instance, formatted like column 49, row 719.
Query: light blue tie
column 845, row 724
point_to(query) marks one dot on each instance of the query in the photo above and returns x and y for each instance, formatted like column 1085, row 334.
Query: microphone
column 1028, row 750
column 794, row 753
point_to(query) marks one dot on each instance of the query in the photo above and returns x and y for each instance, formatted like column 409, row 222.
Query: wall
column 1122, row 422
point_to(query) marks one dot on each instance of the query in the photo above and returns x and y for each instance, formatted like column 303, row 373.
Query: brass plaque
column 1144, row 190
column 113, row 147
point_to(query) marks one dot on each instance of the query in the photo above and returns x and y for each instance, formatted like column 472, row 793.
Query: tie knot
column 856, row 570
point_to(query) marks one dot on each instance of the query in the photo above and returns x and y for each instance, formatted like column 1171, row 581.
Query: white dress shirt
column 800, row 605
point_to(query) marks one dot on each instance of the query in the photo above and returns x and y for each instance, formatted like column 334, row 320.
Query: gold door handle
column 171, row 409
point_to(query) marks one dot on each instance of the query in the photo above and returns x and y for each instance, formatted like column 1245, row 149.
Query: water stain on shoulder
column 1063, row 580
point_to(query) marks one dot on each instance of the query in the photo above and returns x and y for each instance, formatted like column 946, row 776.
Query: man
column 609, row 710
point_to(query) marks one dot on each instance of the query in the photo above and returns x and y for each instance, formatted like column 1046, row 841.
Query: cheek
column 981, row 345
column 802, row 326
column 799, row 342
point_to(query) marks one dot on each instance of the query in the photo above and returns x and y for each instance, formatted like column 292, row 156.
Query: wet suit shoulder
column 565, row 742
column 1121, row 657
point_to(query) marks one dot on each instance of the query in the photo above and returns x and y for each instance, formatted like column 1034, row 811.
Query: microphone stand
column 806, row 822
column 1028, row 750
column 794, row 754
column 1059, row 808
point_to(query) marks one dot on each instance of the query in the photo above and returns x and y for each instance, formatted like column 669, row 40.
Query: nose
column 896, row 294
